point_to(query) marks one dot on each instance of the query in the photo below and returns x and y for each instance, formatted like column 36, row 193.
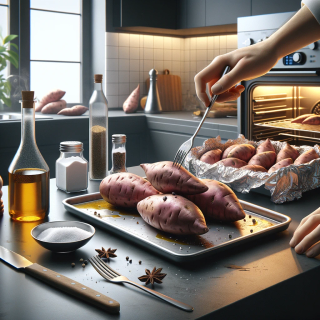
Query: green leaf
column 7, row 101
column 13, row 60
column 13, row 54
column 2, row 48
column 9, row 38
column 14, row 45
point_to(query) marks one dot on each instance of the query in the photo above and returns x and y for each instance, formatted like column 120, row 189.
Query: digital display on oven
column 296, row 58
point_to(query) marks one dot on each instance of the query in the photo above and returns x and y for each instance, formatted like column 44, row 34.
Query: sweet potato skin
column 125, row 189
column 173, row 213
column 300, row 119
column 226, row 152
column 233, row 162
column 265, row 146
column 167, row 178
column 312, row 120
column 219, row 202
column 281, row 164
column 52, row 96
column 288, row 152
column 306, row 157
column 243, row 152
column 265, row 159
column 254, row 167
column 54, row 107
column 77, row 110
column 211, row 156
column 132, row 102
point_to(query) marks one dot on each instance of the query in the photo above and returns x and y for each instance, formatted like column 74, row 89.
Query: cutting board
column 170, row 92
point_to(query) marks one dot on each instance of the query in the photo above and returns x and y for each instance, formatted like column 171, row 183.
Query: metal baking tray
column 221, row 236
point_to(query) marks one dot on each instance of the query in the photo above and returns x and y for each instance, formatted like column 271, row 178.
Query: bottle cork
column 27, row 99
column 98, row 78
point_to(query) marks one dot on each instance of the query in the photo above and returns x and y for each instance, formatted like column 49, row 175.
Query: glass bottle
column 118, row 153
column 71, row 167
column 98, row 132
column 29, row 174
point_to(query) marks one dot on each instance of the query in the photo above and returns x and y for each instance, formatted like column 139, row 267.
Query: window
column 4, row 25
column 55, row 47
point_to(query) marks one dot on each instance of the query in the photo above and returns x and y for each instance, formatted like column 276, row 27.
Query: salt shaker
column 153, row 104
column 71, row 167
column 118, row 153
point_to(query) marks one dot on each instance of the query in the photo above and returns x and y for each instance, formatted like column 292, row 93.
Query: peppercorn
column 73, row 264
column 251, row 230
column 244, row 220
column 250, row 216
column 140, row 261
column 164, row 198
column 81, row 260
column 83, row 265
column 127, row 258
column 137, row 222
column 130, row 260
column 95, row 212
column 254, row 221
column 85, row 262
column 174, row 193
column 230, row 236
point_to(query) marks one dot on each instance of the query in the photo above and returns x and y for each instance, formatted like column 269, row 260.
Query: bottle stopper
column 27, row 99
column 98, row 78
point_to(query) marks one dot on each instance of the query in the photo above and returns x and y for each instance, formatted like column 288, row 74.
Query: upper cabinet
column 195, row 13
column 274, row 6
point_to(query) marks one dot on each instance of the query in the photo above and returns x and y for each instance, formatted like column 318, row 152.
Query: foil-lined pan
column 285, row 184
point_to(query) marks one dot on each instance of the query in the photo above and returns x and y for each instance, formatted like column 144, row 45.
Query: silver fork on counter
column 113, row 276
column 186, row 146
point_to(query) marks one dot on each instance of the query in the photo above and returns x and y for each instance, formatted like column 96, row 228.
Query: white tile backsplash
column 130, row 57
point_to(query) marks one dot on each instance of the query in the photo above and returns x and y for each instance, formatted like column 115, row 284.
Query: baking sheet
column 221, row 236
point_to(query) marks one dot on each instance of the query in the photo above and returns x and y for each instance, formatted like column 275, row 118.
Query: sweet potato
column 219, row 202
column 254, row 167
column 77, row 110
column 226, row 152
column 288, row 152
column 233, row 162
column 173, row 214
column 301, row 118
column 312, row 120
column 132, row 102
column 242, row 151
column 265, row 159
column 167, row 178
column 281, row 164
column 211, row 156
column 125, row 189
column 1, row 182
column 265, row 146
column 306, row 157
column 52, row 96
column 54, row 107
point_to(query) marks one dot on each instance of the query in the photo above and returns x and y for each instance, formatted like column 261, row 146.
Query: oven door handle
column 292, row 73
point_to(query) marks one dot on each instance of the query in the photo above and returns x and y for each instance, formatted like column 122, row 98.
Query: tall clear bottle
column 98, row 132
column 29, row 174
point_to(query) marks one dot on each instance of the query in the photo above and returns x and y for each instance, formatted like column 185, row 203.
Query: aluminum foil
column 285, row 184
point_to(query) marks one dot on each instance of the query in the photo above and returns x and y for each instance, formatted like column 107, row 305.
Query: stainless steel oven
column 290, row 89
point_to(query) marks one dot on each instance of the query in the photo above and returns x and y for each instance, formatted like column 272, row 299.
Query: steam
column 18, row 84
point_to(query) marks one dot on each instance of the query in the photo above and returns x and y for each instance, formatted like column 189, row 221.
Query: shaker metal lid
column 71, row 146
column 119, row 138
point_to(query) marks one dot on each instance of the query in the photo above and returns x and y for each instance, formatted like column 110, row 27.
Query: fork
column 113, row 276
column 186, row 146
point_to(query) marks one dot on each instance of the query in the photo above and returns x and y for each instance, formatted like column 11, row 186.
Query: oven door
column 269, row 102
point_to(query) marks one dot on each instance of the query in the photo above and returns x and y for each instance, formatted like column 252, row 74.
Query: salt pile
column 63, row 234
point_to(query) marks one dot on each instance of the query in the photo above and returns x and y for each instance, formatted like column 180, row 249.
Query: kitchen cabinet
column 195, row 13
column 274, row 6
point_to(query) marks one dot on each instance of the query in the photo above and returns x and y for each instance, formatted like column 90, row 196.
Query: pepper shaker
column 118, row 153
column 153, row 104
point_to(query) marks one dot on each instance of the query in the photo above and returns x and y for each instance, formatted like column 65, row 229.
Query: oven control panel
column 294, row 59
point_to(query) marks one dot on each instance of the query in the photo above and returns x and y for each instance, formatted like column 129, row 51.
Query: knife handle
column 74, row 288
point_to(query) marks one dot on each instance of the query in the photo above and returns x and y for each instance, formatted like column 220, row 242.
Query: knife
column 59, row 281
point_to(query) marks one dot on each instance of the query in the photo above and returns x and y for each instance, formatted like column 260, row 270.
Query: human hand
column 245, row 63
column 306, row 237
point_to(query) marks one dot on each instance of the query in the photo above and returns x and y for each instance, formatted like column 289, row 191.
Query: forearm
column 301, row 30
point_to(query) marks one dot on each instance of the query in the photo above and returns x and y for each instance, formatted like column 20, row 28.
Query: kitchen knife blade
column 59, row 281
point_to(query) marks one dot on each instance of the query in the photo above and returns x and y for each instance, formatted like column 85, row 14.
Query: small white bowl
column 62, row 246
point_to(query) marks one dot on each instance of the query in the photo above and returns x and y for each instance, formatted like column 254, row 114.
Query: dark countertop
column 279, row 284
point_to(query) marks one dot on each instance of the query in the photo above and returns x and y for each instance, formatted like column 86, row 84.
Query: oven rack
column 286, row 124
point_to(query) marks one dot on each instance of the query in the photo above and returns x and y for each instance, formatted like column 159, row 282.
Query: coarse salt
column 63, row 234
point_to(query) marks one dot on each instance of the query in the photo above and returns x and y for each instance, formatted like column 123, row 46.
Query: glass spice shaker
column 118, row 153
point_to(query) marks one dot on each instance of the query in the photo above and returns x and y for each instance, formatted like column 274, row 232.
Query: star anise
column 106, row 253
column 154, row 276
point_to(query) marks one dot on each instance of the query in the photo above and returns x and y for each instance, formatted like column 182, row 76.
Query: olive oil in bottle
column 28, row 172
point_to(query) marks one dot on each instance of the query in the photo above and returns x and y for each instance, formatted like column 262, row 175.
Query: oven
column 290, row 89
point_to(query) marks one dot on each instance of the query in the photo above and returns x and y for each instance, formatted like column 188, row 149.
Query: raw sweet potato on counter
column 312, row 120
column 306, row 157
column 265, row 146
column 242, row 151
column 172, row 213
column 281, row 164
column 125, row 189
column 132, row 102
column 77, row 110
column 265, row 159
column 288, row 152
column 219, row 202
column 51, row 96
column 233, row 162
column 211, row 156
column 254, row 167
column 167, row 178
column 54, row 107
column 301, row 118
column 226, row 152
